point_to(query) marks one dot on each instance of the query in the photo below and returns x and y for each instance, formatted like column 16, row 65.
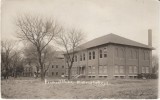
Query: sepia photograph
column 80, row 49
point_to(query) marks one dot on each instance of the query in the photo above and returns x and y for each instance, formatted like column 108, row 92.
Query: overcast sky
column 128, row 18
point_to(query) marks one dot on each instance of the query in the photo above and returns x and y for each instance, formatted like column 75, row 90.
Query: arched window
column 93, row 54
column 134, row 53
column 80, row 57
column 146, row 55
column 89, row 55
column 131, row 54
column 116, row 52
column 105, row 52
column 143, row 54
column 84, row 56
column 121, row 53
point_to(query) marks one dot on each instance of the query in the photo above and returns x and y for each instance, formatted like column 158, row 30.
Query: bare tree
column 38, row 31
column 30, row 56
column 17, row 64
column 7, row 53
column 155, row 64
column 48, row 57
column 70, row 41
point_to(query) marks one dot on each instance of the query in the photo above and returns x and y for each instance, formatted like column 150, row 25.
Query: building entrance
column 81, row 70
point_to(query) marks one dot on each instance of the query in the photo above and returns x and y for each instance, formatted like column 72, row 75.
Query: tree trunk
column 41, row 64
column 69, row 73
column 42, row 73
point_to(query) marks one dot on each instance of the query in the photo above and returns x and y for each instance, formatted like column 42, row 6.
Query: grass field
column 29, row 88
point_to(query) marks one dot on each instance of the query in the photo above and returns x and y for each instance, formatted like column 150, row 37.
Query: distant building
column 112, row 56
column 28, row 71
column 57, row 68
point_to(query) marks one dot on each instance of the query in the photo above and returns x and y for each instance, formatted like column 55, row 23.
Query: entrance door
column 81, row 70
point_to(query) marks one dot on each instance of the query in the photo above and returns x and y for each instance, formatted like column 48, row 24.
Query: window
column 62, row 66
column 93, row 54
column 75, row 58
column 135, row 69
column 56, row 66
column 146, row 55
column 143, row 69
column 147, row 69
column 105, row 52
column 104, row 69
column 80, row 57
column 84, row 56
column 89, row 69
column 105, row 55
column 52, row 73
column 116, row 69
column 56, row 73
column 74, row 70
column 52, row 66
column 89, row 55
column 134, row 54
column 100, row 69
column 93, row 69
column 131, row 54
column 121, row 69
column 121, row 53
column 130, row 69
column 100, row 53
column 116, row 52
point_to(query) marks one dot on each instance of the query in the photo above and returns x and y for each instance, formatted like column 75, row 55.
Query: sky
column 127, row 18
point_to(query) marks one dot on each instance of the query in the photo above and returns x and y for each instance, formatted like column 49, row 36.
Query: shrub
column 147, row 76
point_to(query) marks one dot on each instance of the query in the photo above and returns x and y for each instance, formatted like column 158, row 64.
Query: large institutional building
column 57, row 68
column 113, row 56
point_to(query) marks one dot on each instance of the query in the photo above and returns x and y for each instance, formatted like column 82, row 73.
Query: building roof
column 59, row 54
column 112, row 38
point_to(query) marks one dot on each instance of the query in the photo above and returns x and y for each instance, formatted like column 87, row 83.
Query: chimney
column 149, row 37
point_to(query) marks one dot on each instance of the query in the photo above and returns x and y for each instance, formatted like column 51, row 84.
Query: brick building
column 56, row 69
column 112, row 56
column 28, row 72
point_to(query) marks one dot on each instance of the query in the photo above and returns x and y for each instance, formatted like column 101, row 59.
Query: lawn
column 29, row 88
